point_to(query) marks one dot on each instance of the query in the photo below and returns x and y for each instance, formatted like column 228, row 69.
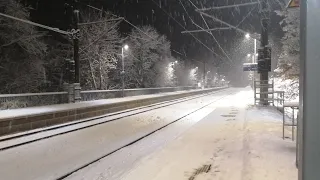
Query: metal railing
column 279, row 99
column 12, row 101
column 262, row 91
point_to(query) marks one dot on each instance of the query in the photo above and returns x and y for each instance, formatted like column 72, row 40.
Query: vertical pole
column 76, row 43
column 76, row 36
column 283, row 121
column 66, row 75
column 255, row 50
column 100, row 74
column 309, row 104
column 122, row 72
column 264, row 42
column 253, row 61
column 292, row 128
column 204, row 74
column 71, row 84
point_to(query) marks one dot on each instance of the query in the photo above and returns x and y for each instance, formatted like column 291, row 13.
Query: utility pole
column 204, row 73
column 122, row 72
column 76, row 36
column 264, row 58
column 76, row 41
column 254, row 61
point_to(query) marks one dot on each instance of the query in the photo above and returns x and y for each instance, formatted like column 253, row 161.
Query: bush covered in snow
column 288, row 68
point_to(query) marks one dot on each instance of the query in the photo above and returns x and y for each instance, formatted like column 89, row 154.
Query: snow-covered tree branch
column 288, row 69
column 99, row 50
column 21, row 51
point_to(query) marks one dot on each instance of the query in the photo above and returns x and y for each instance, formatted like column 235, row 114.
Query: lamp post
column 125, row 47
column 254, row 48
column 253, row 56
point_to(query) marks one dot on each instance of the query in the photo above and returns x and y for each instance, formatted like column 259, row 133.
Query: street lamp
column 254, row 55
column 124, row 48
column 247, row 35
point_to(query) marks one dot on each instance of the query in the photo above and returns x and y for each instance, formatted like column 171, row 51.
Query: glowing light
column 126, row 47
column 248, row 55
column 247, row 35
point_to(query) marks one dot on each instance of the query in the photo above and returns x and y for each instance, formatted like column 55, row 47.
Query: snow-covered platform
column 17, row 120
column 233, row 142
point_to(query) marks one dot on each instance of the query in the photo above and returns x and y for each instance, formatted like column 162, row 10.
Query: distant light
column 176, row 62
column 247, row 35
column 196, row 67
column 248, row 55
column 257, row 54
column 126, row 47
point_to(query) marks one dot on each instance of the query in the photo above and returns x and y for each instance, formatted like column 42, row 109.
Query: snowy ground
column 237, row 141
column 246, row 147
column 51, row 158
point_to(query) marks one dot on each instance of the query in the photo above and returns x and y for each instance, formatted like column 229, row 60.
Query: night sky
column 148, row 12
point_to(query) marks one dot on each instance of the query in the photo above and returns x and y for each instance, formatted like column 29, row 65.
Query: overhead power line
column 223, row 22
column 214, row 38
column 194, row 23
column 98, row 22
column 95, row 8
column 99, row 36
column 228, row 6
column 120, row 17
column 36, row 24
column 205, row 30
column 178, row 52
column 246, row 16
column 183, row 27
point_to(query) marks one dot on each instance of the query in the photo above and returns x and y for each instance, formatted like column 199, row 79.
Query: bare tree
column 21, row 51
column 288, row 68
column 99, row 50
column 147, row 58
column 288, row 65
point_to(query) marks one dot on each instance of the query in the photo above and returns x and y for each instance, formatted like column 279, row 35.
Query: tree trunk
column 100, row 74
column 92, row 75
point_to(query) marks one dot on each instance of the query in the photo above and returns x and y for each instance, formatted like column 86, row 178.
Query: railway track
column 65, row 176
column 10, row 141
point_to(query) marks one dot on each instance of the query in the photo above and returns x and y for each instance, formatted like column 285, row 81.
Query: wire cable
column 36, row 24
column 210, row 32
column 125, row 21
column 228, row 6
column 183, row 27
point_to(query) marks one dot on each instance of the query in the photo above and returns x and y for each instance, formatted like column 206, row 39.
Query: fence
column 278, row 99
column 11, row 101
